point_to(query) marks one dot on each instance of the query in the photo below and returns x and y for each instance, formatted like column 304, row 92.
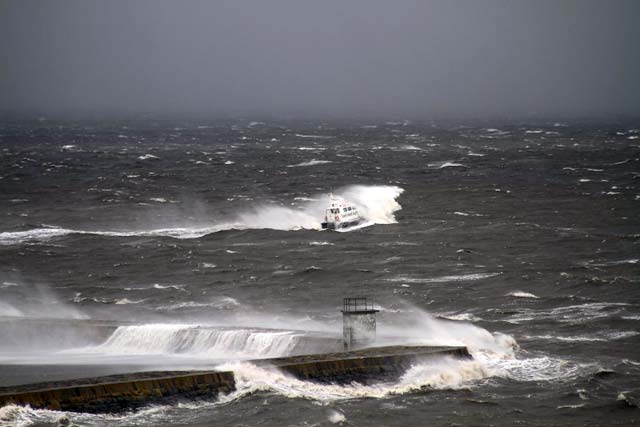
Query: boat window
column 344, row 209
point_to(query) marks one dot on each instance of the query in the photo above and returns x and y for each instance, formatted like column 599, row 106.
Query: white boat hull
column 344, row 226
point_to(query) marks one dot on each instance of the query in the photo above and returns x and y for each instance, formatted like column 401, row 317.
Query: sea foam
column 376, row 204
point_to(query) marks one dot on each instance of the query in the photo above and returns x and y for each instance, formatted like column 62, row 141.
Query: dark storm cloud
column 360, row 57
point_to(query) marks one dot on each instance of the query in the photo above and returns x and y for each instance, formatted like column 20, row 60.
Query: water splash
column 376, row 204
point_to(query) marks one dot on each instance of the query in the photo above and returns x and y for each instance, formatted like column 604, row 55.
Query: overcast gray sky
column 351, row 57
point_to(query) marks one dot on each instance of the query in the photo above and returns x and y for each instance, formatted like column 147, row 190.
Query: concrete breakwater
column 122, row 392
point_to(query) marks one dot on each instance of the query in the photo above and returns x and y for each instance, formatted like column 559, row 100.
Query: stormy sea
column 150, row 245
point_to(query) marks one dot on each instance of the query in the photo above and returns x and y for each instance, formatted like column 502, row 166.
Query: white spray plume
column 376, row 204
column 419, row 327
column 439, row 373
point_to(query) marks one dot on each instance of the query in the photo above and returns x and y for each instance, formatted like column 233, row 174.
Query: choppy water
column 519, row 240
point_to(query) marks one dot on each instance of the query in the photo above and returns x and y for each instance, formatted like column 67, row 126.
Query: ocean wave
column 224, row 303
column 569, row 314
column 299, row 135
column 447, row 164
column 464, row 317
column 443, row 279
column 123, row 301
column 438, row 373
column 604, row 337
column 47, row 233
column 311, row 162
column 442, row 373
column 410, row 147
column 196, row 341
column 521, row 294
column 376, row 204
column 541, row 368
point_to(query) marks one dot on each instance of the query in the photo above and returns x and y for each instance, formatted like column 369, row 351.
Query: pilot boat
column 340, row 214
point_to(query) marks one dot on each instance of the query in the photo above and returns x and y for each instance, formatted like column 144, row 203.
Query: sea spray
column 496, row 352
column 436, row 373
column 418, row 327
column 376, row 204
column 197, row 341
column 185, row 342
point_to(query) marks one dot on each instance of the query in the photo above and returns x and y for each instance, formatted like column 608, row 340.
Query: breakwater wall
column 122, row 392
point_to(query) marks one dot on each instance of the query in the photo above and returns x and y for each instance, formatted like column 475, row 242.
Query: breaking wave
column 199, row 341
column 494, row 356
column 522, row 294
column 444, row 373
column 311, row 162
column 376, row 204
column 439, row 373
column 443, row 279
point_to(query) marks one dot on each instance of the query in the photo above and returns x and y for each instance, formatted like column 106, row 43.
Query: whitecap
column 411, row 148
column 575, row 314
column 123, row 301
column 176, row 287
column 564, row 338
column 542, row 368
column 6, row 284
column 311, row 162
column 398, row 243
column 311, row 148
column 313, row 136
column 222, row 303
column 443, row 165
column 336, row 417
column 521, row 294
column 464, row 317
column 443, row 279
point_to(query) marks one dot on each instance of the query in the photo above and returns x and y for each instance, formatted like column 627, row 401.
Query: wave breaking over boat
column 376, row 205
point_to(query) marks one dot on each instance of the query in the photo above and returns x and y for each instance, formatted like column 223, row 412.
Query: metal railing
column 350, row 305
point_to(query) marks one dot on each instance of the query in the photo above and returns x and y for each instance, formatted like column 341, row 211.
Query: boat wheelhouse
column 340, row 214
